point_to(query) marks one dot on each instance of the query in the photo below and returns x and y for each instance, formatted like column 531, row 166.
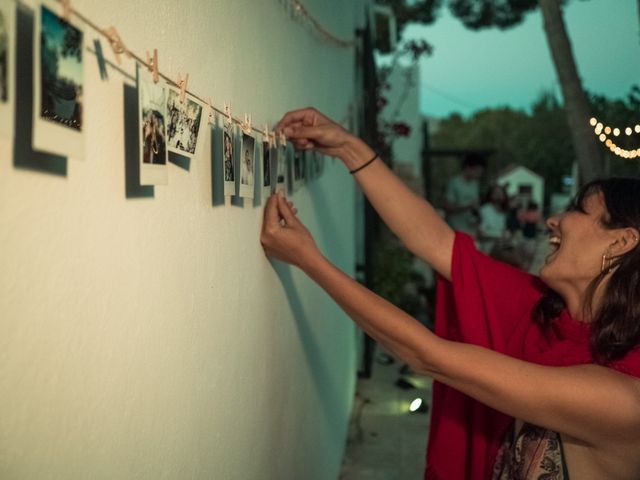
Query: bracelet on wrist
column 366, row 164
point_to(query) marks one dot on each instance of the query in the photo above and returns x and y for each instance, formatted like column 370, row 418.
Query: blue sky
column 490, row 68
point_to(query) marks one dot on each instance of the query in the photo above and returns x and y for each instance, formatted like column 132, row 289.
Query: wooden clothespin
column 66, row 9
column 282, row 138
column 272, row 139
column 246, row 124
column 212, row 112
column 116, row 43
column 153, row 65
column 227, row 112
column 182, row 85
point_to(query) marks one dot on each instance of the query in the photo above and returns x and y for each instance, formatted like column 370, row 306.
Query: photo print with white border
column 152, row 118
column 281, row 168
column 267, row 156
column 183, row 124
column 247, row 165
column 58, row 80
column 228, row 164
column 7, row 66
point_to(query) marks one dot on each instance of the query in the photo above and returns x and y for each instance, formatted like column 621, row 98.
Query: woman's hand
column 309, row 129
column 283, row 236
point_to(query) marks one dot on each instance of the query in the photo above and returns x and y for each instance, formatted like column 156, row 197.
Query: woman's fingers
column 286, row 211
column 271, row 215
column 306, row 116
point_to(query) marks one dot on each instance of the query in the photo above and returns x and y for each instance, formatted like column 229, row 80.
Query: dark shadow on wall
column 328, row 392
column 180, row 161
column 23, row 154
column 133, row 189
column 217, row 171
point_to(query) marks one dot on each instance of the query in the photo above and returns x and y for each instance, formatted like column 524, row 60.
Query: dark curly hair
column 615, row 326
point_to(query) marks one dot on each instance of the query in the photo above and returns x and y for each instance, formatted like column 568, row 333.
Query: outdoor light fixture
column 418, row 405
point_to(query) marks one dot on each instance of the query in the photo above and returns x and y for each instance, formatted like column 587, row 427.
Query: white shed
column 524, row 183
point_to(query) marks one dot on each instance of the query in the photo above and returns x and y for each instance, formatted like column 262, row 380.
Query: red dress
column 489, row 303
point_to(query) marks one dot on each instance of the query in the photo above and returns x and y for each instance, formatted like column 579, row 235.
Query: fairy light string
column 119, row 48
column 603, row 133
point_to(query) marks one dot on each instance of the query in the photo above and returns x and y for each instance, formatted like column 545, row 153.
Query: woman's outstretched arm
column 589, row 402
column 408, row 215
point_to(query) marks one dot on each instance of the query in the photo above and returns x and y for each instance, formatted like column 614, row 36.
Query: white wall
column 149, row 337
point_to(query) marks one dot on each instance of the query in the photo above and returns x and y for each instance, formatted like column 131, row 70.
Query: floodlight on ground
column 418, row 405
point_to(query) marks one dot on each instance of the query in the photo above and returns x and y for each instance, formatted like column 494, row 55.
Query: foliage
column 539, row 139
column 72, row 44
column 394, row 277
column 476, row 14
column 391, row 128
column 418, row 11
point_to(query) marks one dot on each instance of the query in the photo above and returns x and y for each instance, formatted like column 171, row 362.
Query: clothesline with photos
column 119, row 49
column 170, row 116
column 301, row 12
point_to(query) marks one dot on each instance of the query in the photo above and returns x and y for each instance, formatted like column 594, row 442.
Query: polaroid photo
column 183, row 124
column 267, row 156
column 228, row 167
column 7, row 66
column 281, row 168
column 58, row 81
column 152, row 104
column 247, row 165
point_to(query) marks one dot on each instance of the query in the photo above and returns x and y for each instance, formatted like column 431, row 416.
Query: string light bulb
column 616, row 131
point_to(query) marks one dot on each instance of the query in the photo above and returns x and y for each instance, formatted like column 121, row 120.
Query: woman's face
column 578, row 240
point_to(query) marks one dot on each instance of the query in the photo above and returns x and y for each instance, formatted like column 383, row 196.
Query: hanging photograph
column 183, row 125
column 152, row 103
column 281, row 168
column 267, row 156
column 58, row 84
column 297, row 167
column 228, row 166
column 247, row 158
column 7, row 66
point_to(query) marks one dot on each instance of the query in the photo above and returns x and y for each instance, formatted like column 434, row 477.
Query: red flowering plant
column 391, row 128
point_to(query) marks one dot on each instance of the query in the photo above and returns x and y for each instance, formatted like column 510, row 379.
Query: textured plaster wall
column 149, row 337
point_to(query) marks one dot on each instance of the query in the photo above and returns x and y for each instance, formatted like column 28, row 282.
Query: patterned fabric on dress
column 536, row 454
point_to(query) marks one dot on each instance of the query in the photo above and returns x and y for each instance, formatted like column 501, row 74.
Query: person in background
column 531, row 220
column 493, row 218
column 535, row 377
column 462, row 197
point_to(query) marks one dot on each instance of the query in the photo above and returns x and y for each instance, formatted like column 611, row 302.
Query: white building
column 521, row 182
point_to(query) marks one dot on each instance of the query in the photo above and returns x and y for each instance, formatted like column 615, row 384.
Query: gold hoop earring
column 606, row 263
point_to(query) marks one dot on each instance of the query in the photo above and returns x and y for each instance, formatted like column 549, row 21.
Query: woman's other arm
column 408, row 215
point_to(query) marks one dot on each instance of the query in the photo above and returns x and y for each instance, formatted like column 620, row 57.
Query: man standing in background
column 462, row 197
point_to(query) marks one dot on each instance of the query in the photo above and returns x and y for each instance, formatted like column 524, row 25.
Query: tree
column 478, row 14
column 539, row 139
column 588, row 153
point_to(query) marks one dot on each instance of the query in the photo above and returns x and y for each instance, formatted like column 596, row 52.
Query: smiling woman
column 594, row 268
column 514, row 398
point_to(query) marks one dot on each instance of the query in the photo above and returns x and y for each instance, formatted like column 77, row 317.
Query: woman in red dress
column 536, row 377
